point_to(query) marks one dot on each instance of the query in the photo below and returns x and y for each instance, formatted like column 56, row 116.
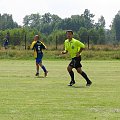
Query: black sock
column 71, row 75
column 85, row 76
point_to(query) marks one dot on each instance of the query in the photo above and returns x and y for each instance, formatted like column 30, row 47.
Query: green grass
column 56, row 54
column 26, row 97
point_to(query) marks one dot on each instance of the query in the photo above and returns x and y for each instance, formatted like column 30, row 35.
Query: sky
column 63, row 8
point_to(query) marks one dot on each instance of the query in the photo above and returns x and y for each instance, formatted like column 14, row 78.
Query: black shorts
column 75, row 63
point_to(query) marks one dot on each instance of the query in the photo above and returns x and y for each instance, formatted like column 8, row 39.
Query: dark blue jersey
column 38, row 46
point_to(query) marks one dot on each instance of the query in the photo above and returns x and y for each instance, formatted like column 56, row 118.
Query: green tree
column 116, row 26
column 57, row 37
column 33, row 20
column 83, row 34
column 101, row 33
column 49, row 23
column 77, row 22
column 88, row 19
column 47, row 18
column 101, row 23
column 6, row 22
column 93, row 36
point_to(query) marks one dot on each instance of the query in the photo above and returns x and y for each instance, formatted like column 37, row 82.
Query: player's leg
column 78, row 67
column 44, row 68
column 84, row 75
column 37, row 68
column 71, row 73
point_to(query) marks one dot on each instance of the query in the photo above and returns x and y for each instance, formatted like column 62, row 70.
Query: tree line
column 52, row 28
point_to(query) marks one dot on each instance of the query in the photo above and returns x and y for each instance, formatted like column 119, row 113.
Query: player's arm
column 65, row 47
column 32, row 45
column 44, row 46
column 64, row 52
column 81, row 48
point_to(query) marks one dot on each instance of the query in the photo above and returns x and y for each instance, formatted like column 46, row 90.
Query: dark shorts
column 75, row 62
column 38, row 60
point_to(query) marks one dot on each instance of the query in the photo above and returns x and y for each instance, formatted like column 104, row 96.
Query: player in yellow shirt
column 74, row 48
column 38, row 46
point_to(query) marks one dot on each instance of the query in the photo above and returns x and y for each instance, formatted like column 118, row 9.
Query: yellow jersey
column 73, row 46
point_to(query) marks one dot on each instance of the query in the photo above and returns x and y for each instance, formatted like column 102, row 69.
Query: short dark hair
column 69, row 31
column 37, row 36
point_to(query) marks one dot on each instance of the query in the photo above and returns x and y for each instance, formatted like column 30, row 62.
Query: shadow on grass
column 39, row 77
column 77, row 86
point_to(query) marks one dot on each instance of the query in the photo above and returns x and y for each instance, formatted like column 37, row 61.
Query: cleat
column 71, row 83
column 37, row 74
column 46, row 73
column 89, row 83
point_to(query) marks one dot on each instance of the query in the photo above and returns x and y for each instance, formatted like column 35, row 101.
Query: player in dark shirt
column 38, row 46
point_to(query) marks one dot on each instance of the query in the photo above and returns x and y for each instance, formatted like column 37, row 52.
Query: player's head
column 36, row 37
column 69, row 34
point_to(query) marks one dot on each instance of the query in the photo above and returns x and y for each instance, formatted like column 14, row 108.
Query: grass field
column 26, row 97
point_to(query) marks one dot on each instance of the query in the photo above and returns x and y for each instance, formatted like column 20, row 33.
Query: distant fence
column 25, row 42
